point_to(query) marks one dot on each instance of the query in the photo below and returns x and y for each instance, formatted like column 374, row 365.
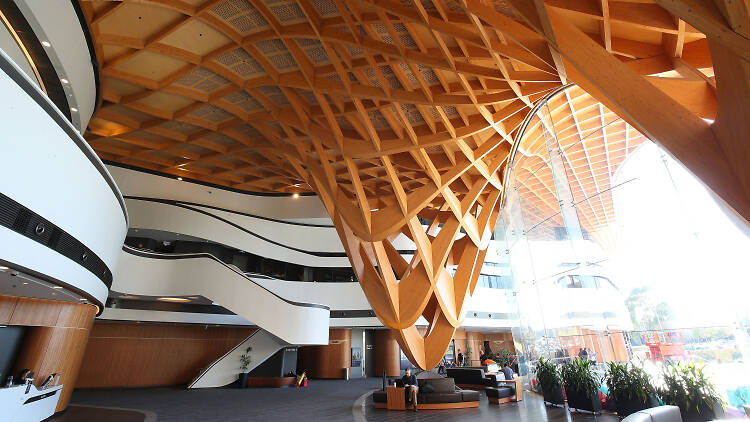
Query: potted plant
column 549, row 379
column 581, row 385
column 630, row 387
column 245, row 361
column 687, row 387
column 502, row 357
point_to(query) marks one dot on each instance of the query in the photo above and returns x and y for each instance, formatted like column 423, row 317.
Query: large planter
column 554, row 395
column 243, row 379
column 580, row 401
column 626, row 407
column 704, row 413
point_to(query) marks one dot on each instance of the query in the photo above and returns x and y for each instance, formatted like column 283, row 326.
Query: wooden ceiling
column 594, row 142
column 223, row 90
column 392, row 110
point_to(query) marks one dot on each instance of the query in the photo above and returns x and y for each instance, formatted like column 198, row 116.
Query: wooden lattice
column 394, row 110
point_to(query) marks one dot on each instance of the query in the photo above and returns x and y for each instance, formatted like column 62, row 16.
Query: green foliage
column 628, row 382
column 547, row 374
column 502, row 356
column 579, row 375
column 245, row 359
column 688, row 387
column 645, row 314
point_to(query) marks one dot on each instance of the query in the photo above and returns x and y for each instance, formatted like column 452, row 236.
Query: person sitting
column 507, row 372
column 410, row 384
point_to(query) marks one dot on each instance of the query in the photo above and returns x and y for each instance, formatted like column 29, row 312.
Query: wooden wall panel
column 387, row 353
column 7, row 304
column 144, row 354
column 55, row 339
column 329, row 361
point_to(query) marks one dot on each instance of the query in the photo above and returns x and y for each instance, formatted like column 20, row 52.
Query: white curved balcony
column 62, row 218
column 155, row 274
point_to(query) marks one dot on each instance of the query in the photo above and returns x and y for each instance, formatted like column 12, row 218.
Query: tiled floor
column 323, row 400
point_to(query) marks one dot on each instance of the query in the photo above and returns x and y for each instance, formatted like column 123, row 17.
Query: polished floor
column 323, row 400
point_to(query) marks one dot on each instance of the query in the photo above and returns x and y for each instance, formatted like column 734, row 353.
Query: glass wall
column 617, row 253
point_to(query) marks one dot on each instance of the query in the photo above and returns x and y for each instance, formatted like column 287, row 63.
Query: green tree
column 645, row 313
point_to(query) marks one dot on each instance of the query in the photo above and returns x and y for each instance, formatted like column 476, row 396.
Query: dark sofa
column 471, row 378
column 444, row 391
column 497, row 390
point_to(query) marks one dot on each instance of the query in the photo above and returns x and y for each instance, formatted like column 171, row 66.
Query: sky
column 676, row 239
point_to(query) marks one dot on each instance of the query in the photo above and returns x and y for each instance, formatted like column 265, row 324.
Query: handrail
column 156, row 255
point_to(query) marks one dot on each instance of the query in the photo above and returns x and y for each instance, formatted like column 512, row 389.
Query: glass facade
column 617, row 253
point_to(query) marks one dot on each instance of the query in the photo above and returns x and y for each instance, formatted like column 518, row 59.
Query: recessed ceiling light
column 57, row 287
column 295, row 195
column 179, row 178
column 74, row 110
column 173, row 299
column 46, row 44
column 82, row 299
column 65, row 81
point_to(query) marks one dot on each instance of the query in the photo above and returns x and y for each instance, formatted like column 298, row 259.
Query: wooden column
column 55, row 340
column 387, row 353
column 329, row 361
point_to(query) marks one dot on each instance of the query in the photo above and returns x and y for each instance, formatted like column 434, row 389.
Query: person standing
column 460, row 358
column 410, row 384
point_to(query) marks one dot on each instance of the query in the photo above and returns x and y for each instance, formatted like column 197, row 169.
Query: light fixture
column 57, row 287
column 65, row 81
column 173, row 299
column 46, row 44
column 3, row 268
column 295, row 195
column 179, row 178
column 74, row 110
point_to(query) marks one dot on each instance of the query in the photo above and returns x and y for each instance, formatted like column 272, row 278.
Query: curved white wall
column 176, row 219
column 275, row 239
column 293, row 323
column 58, row 23
column 138, row 183
column 49, row 168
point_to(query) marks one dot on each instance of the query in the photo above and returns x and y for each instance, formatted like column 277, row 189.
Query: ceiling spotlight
column 179, row 178
column 65, row 81
column 74, row 110
column 46, row 44
column 295, row 195
column 57, row 287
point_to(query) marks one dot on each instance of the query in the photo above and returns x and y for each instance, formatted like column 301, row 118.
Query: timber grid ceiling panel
column 390, row 110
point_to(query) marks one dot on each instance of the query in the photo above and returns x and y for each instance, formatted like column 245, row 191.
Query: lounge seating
column 656, row 414
column 445, row 395
column 473, row 378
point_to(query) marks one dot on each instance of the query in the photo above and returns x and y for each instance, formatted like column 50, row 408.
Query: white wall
column 57, row 22
column 137, row 183
column 216, row 281
column 49, row 173
column 226, row 369
column 166, row 217
column 337, row 296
